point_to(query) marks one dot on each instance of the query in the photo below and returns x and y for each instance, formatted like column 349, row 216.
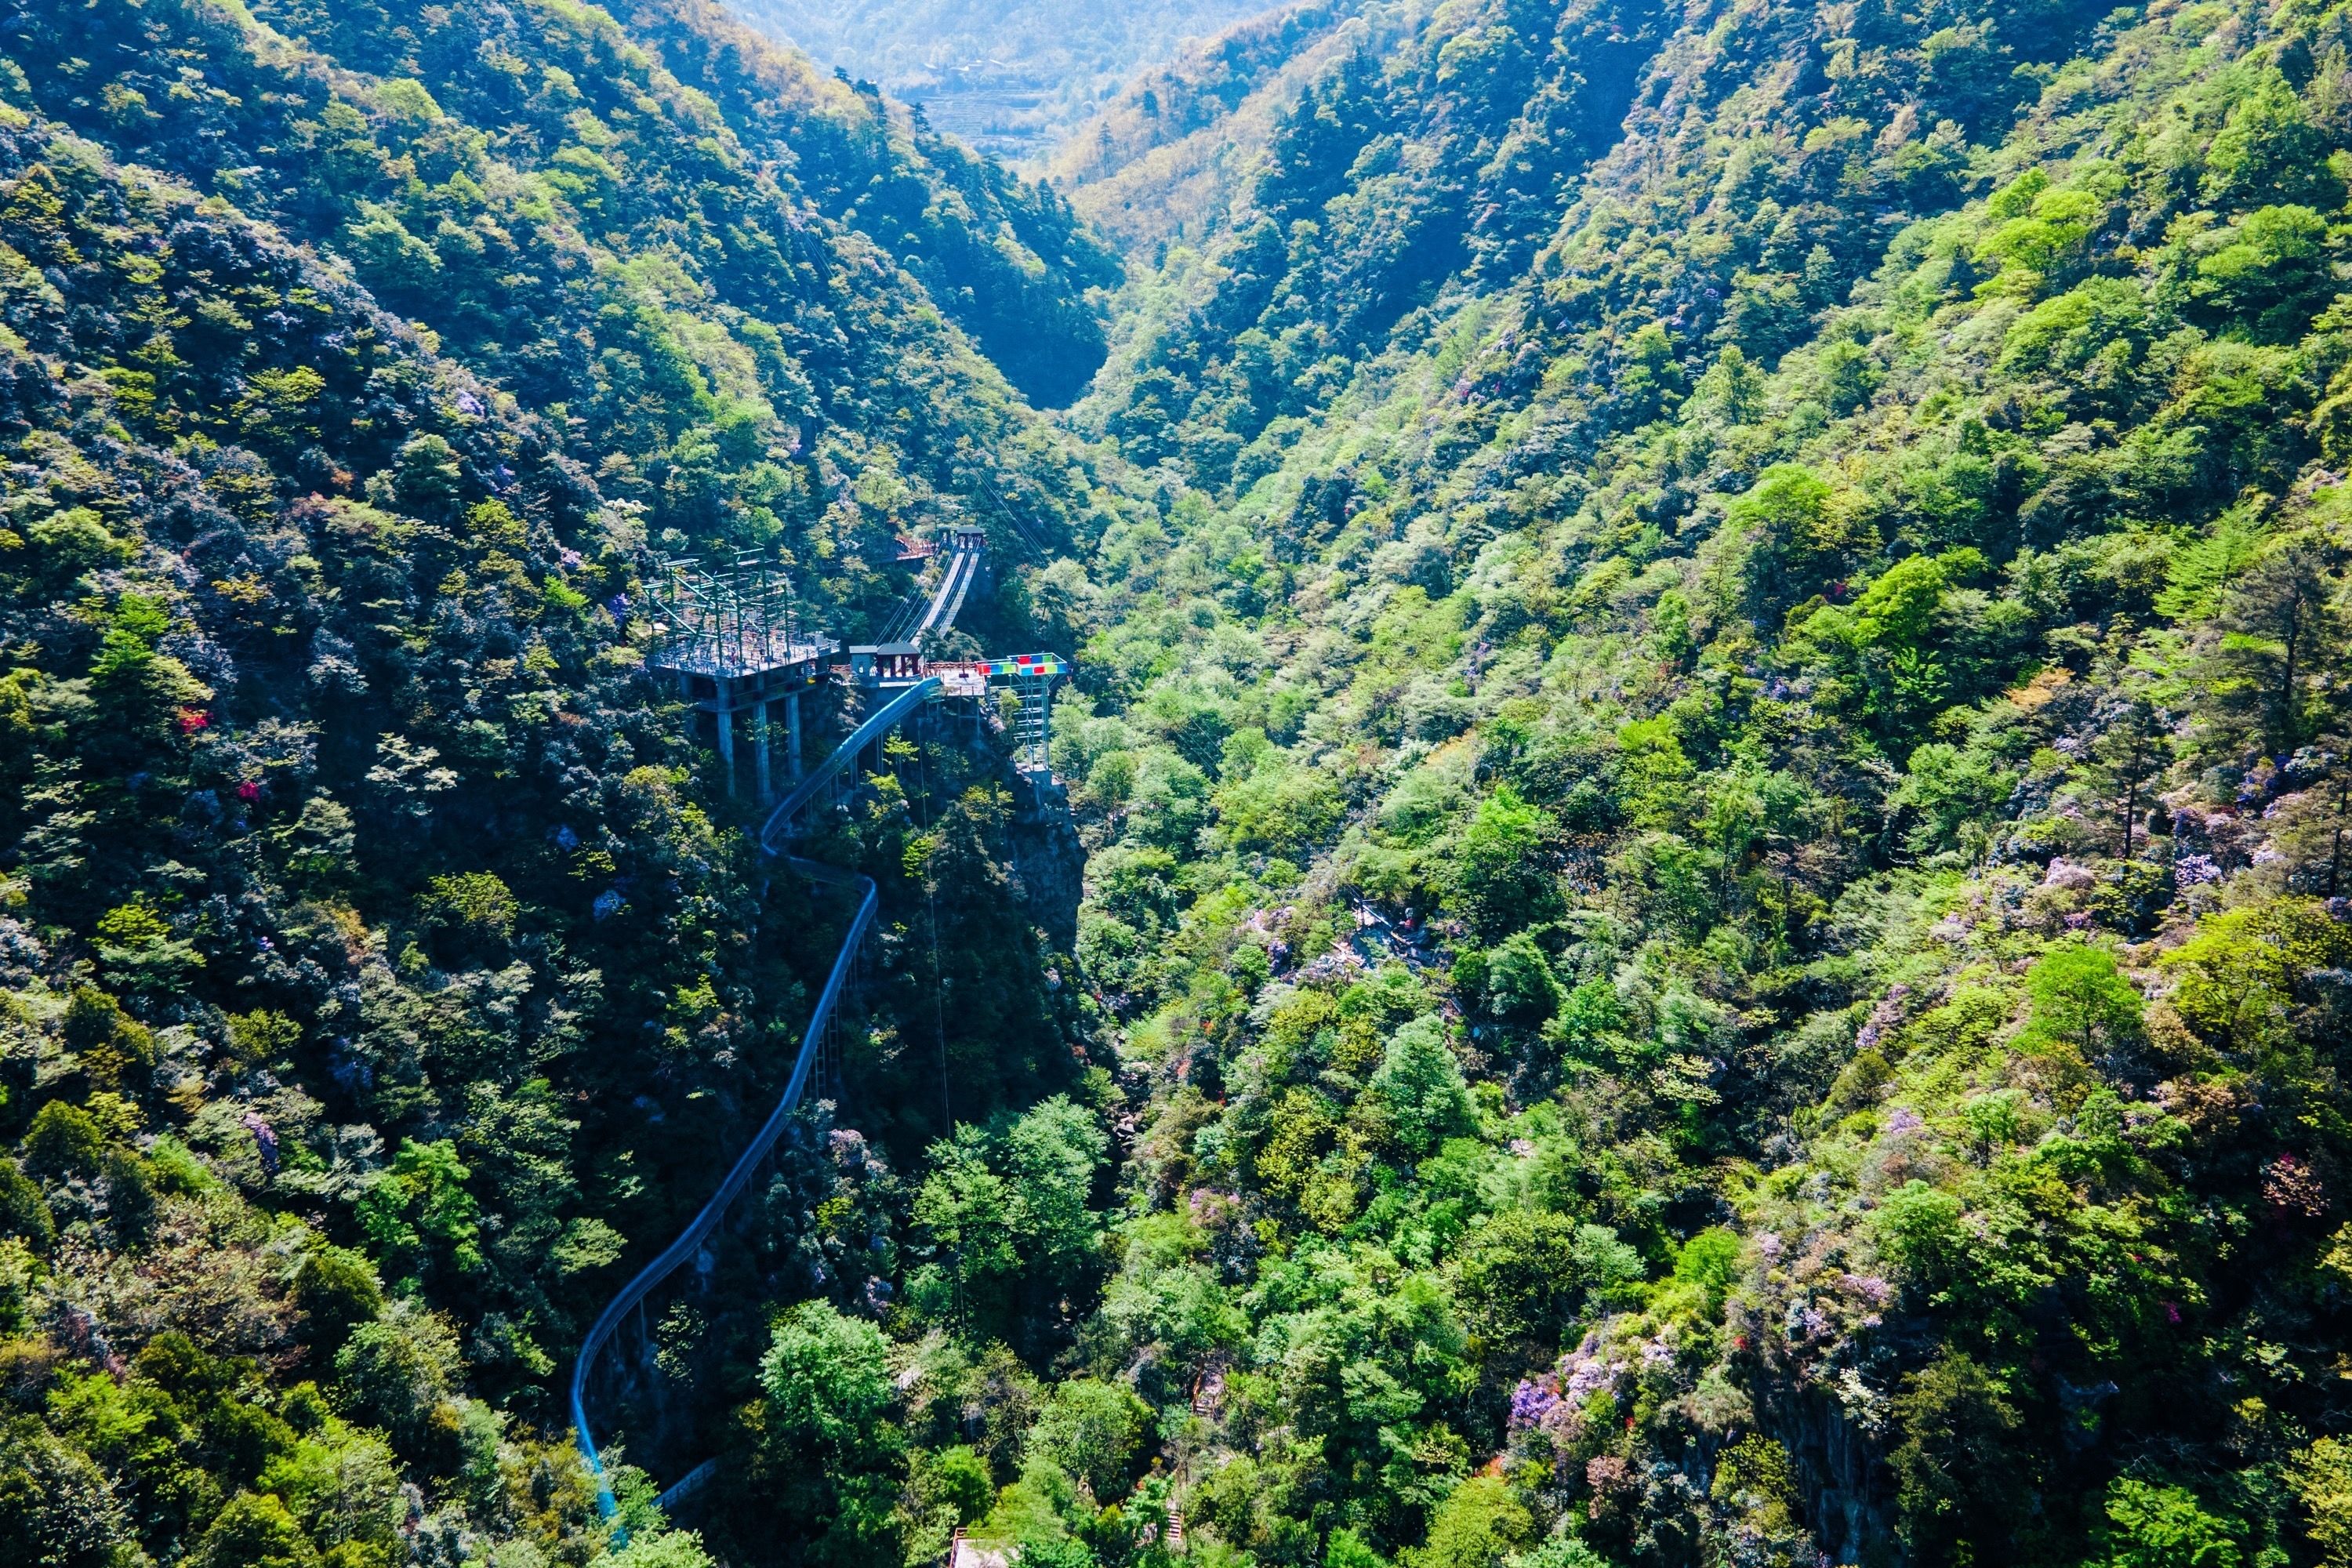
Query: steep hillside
column 476, row 163
column 1011, row 77
column 314, row 727
column 1711, row 727
column 382, row 969
column 1006, row 259
column 1171, row 156
column 1718, row 799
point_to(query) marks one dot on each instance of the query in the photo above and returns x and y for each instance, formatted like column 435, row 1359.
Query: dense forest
column 384, row 969
column 1711, row 738
column 1720, row 801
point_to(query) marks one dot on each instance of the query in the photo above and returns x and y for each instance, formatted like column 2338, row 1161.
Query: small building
column 969, row 1553
column 886, row 663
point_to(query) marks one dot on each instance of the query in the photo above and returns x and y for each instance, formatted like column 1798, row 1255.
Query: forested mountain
column 1710, row 732
column 382, row 970
column 1172, row 156
column 1009, row 76
column 422, row 148
column 1719, row 801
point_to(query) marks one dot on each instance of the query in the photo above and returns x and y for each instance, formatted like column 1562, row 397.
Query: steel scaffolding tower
column 1032, row 680
column 732, row 636
column 735, row 621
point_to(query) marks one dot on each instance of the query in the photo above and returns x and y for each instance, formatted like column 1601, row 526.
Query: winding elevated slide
column 734, row 646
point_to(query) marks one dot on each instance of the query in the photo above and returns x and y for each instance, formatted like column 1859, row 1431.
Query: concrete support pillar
column 725, row 718
column 792, row 736
column 760, row 751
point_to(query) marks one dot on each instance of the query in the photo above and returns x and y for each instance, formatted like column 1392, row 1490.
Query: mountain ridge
column 1708, row 726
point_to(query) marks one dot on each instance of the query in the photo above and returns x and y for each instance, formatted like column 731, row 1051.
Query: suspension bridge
column 732, row 640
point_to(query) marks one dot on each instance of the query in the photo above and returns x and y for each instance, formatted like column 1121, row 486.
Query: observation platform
column 724, row 686
column 731, row 638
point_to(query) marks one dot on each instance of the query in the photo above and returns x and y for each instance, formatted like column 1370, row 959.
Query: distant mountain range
column 1171, row 157
column 1011, row 77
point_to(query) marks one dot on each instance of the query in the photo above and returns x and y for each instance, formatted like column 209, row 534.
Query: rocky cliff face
column 1042, row 854
column 1048, row 861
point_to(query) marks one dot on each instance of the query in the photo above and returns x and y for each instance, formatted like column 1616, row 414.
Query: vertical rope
column 932, row 919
